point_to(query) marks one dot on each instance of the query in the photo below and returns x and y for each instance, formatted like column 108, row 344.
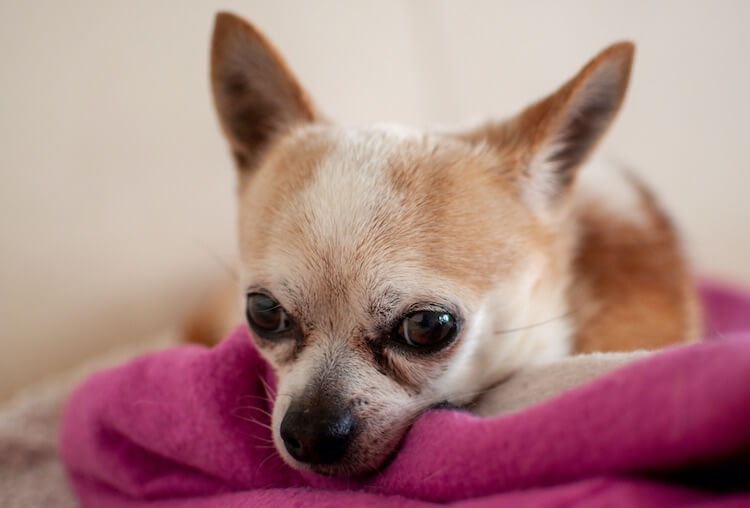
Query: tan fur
column 215, row 316
column 350, row 228
column 633, row 287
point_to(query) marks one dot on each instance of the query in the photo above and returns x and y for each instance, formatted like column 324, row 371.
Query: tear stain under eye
column 290, row 354
column 412, row 384
column 283, row 354
column 378, row 356
column 417, row 369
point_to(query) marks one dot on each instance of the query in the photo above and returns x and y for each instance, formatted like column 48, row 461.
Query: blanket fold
column 189, row 426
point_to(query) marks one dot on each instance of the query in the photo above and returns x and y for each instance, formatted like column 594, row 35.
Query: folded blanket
column 188, row 427
column 31, row 474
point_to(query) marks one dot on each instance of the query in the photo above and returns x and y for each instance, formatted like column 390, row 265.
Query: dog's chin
column 356, row 464
column 347, row 468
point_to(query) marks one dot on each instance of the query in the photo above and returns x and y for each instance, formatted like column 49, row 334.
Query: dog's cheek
column 385, row 413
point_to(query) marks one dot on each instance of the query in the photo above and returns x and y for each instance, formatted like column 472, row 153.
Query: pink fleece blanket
column 171, row 429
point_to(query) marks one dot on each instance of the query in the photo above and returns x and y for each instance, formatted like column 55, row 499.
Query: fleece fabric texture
column 187, row 427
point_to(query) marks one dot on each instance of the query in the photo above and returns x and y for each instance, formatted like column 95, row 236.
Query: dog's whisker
column 271, row 455
column 248, row 433
column 228, row 268
column 535, row 325
column 255, row 408
column 271, row 393
column 256, row 422
column 259, row 423
column 265, row 446
column 259, row 397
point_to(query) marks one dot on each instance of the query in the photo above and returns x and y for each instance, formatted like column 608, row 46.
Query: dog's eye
column 265, row 315
column 428, row 329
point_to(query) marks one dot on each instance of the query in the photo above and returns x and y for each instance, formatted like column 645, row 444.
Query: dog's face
column 388, row 270
column 370, row 259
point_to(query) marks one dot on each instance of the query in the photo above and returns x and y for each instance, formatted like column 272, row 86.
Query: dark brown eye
column 428, row 329
column 265, row 315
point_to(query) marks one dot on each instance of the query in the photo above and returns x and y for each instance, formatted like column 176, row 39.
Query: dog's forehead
column 356, row 214
column 349, row 190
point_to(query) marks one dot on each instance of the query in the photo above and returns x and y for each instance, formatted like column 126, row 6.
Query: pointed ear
column 255, row 94
column 545, row 144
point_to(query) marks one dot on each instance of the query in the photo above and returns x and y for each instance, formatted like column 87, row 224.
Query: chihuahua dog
column 386, row 270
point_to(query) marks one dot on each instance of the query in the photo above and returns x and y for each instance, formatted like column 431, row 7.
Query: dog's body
column 388, row 269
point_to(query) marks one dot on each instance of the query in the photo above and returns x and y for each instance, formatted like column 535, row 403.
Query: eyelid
column 427, row 307
column 277, row 306
column 261, row 290
column 396, row 322
column 421, row 351
column 259, row 293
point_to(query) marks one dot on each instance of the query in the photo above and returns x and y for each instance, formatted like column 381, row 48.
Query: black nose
column 317, row 436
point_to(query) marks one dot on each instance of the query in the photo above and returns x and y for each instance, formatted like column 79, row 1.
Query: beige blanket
column 30, row 472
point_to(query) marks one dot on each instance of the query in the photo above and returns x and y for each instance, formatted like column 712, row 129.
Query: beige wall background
column 116, row 187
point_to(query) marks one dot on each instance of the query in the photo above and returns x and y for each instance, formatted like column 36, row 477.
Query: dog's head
column 386, row 269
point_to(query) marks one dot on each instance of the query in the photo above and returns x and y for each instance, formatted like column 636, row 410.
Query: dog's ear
column 543, row 146
column 256, row 95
